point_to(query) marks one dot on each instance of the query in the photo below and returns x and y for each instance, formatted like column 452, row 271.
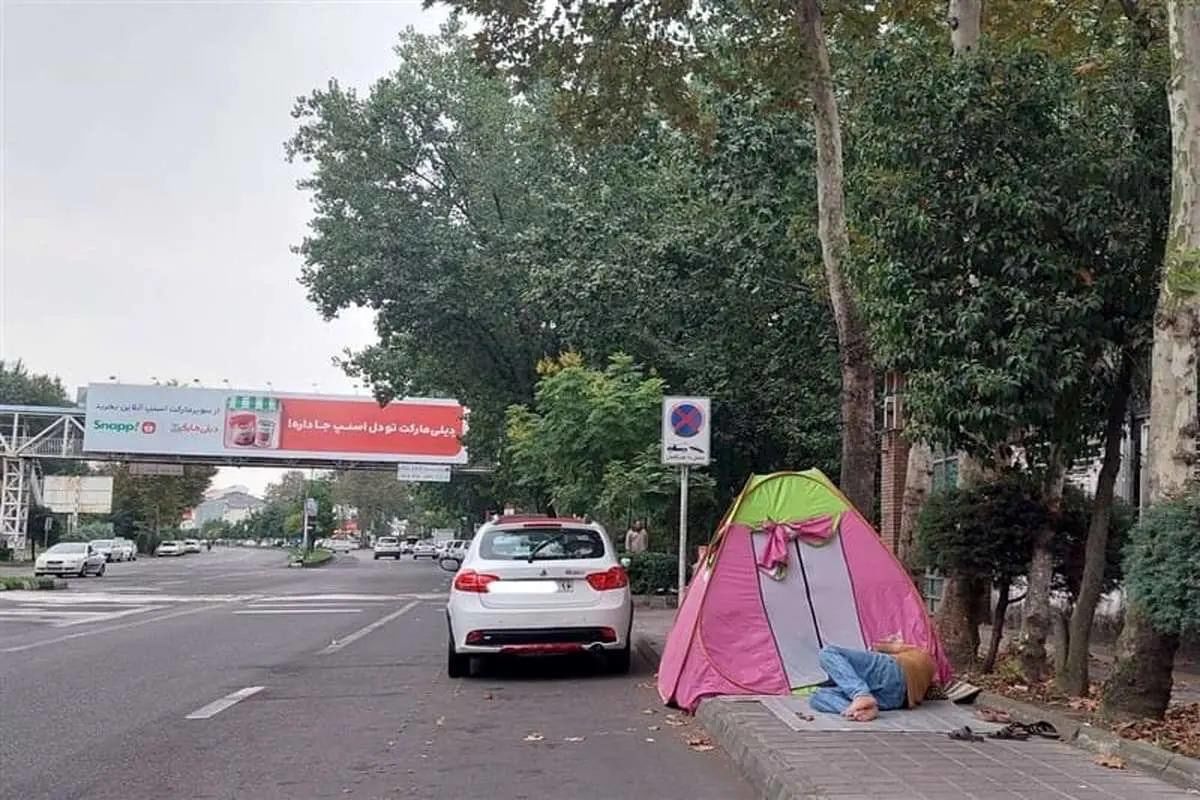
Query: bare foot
column 863, row 708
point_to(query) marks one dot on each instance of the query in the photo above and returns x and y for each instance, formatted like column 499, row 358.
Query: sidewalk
column 781, row 762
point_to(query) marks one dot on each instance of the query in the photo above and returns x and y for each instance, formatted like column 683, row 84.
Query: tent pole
column 683, row 512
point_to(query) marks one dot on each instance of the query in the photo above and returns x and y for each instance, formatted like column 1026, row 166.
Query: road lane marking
column 23, row 647
column 333, row 647
column 217, row 706
column 300, row 611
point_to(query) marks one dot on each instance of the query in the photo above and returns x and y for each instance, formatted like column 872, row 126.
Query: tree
column 377, row 497
column 19, row 386
column 997, row 285
column 1140, row 683
column 589, row 442
column 144, row 506
column 613, row 64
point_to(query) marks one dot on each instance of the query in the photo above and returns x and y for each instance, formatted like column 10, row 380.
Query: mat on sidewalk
column 938, row 716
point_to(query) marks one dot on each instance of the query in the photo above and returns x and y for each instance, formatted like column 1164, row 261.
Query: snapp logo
column 114, row 427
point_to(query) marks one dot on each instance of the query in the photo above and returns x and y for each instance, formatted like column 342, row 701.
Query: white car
column 70, row 558
column 341, row 545
column 191, row 545
column 426, row 548
column 456, row 548
column 387, row 547
column 170, row 548
column 127, row 549
column 539, row 586
column 106, row 548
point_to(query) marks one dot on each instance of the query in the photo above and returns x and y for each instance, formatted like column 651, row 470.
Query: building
column 231, row 506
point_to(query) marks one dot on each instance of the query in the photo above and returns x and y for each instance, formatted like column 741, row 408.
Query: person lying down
column 891, row 675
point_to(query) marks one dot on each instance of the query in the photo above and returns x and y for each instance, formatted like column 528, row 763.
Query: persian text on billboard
column 219, row 422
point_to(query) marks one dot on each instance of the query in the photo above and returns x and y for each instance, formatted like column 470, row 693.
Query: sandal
column 1012, row 732
column 965, row 734
column 1040, row 728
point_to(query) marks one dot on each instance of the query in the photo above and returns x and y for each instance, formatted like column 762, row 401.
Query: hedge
column 652, row 573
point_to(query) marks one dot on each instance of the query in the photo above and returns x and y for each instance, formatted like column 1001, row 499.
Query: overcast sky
column 147, row 208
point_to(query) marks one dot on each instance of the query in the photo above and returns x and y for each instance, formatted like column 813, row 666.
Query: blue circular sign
column 687, row 420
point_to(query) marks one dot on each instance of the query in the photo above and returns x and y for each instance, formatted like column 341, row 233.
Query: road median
column 30, row 582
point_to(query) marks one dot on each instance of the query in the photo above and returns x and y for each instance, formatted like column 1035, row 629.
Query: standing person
column 895, row 675
column 637, row 538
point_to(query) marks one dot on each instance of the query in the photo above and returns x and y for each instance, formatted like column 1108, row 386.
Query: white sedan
column 387, row 547
column 170, row 548
column 70, row 558
column 536, row 586
column 426, row 548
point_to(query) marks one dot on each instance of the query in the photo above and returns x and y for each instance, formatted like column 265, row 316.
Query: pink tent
column 793, row 567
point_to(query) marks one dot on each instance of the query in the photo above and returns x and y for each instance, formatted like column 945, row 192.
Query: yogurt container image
column 252, row 422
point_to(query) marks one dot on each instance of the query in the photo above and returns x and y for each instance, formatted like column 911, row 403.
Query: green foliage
column 19, row 386
column 650, row 573
column 144, row 506
column 1014, row 215
column 283, row 513
column 1161, row 568
column 94, row 529
column 985, row 531
column 589, row 442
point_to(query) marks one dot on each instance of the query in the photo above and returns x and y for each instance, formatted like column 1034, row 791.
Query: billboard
column 76, row 494
column 186, row 421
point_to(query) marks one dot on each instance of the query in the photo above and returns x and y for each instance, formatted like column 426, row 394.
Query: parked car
column 341, row 545
column 407, row 545
column 538, row 587
column 127, row 547
column 70, row 558
column 425, row 548
column 105, row 548
column 387, row 547
column 191, row 545
column 457, row 549
column 170, row 548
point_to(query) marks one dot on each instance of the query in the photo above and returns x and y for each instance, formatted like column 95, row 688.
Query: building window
column 932, row 587
column 945, row 471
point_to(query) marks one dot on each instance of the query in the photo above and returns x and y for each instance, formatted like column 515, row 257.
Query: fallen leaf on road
column 572, row 738
column 391, row 743
column 534, row 737
column 697, row 740
column 649, row 711
column 649, row 739
column 674, row 721
column 652, row 728
column 441, row 721
column 1110, row 761
column 487, row 696
column 703, row 748
column 645, row 685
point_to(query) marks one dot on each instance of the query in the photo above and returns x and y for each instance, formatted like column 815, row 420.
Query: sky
column 146, row 208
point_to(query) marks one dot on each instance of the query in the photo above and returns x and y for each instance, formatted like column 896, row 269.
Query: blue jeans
column 856, row 673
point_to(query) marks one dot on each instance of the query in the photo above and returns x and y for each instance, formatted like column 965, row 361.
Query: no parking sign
column 686, row 429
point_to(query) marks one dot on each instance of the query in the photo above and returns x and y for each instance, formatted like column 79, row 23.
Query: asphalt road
column 336, row 687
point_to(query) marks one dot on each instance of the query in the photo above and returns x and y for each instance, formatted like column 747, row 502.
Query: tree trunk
column 1035, row 626
column 964, row 18
column 1141, row 679
column 859, row 451
column 1073, row 677
column 1062, row 637
column 918, row 483
column 957, row 623
column 1002, row 590
column 1140, row 682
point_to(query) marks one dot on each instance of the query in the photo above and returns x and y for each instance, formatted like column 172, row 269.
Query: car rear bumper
column 540, row 631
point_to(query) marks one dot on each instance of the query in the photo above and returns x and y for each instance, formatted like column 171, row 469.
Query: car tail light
column 614, row 578
column 608, row 635
column 474, row 637
column 471, row 581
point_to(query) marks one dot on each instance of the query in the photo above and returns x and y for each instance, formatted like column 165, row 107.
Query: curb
column 1174, row 768
column 37, row 584
column 646, row 647
column 728, row 720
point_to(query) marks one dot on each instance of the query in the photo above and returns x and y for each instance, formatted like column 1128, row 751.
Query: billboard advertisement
column 75, row 494
column 186, row 421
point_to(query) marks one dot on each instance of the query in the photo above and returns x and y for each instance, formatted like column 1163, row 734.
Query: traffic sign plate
column 686, row 426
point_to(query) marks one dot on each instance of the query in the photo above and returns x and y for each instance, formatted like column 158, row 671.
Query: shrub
column 1162, row 572
column 650, row 573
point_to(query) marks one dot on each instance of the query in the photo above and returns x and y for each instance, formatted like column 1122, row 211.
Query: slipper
column 962, row 692
column 1040, row 728
column 988, row 714
column 1014, row 732
column 965, row 734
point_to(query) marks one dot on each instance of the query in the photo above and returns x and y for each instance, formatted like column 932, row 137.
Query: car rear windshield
column 68, row 547
column 388, row 542
column 549, row 543
column 102, row 543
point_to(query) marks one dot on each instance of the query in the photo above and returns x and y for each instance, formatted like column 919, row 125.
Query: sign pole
column 683, row 528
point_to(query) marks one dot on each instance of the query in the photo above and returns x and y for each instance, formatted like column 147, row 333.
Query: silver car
column 70, row 558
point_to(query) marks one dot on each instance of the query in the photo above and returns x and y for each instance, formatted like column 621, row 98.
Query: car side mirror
column 450, row 564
